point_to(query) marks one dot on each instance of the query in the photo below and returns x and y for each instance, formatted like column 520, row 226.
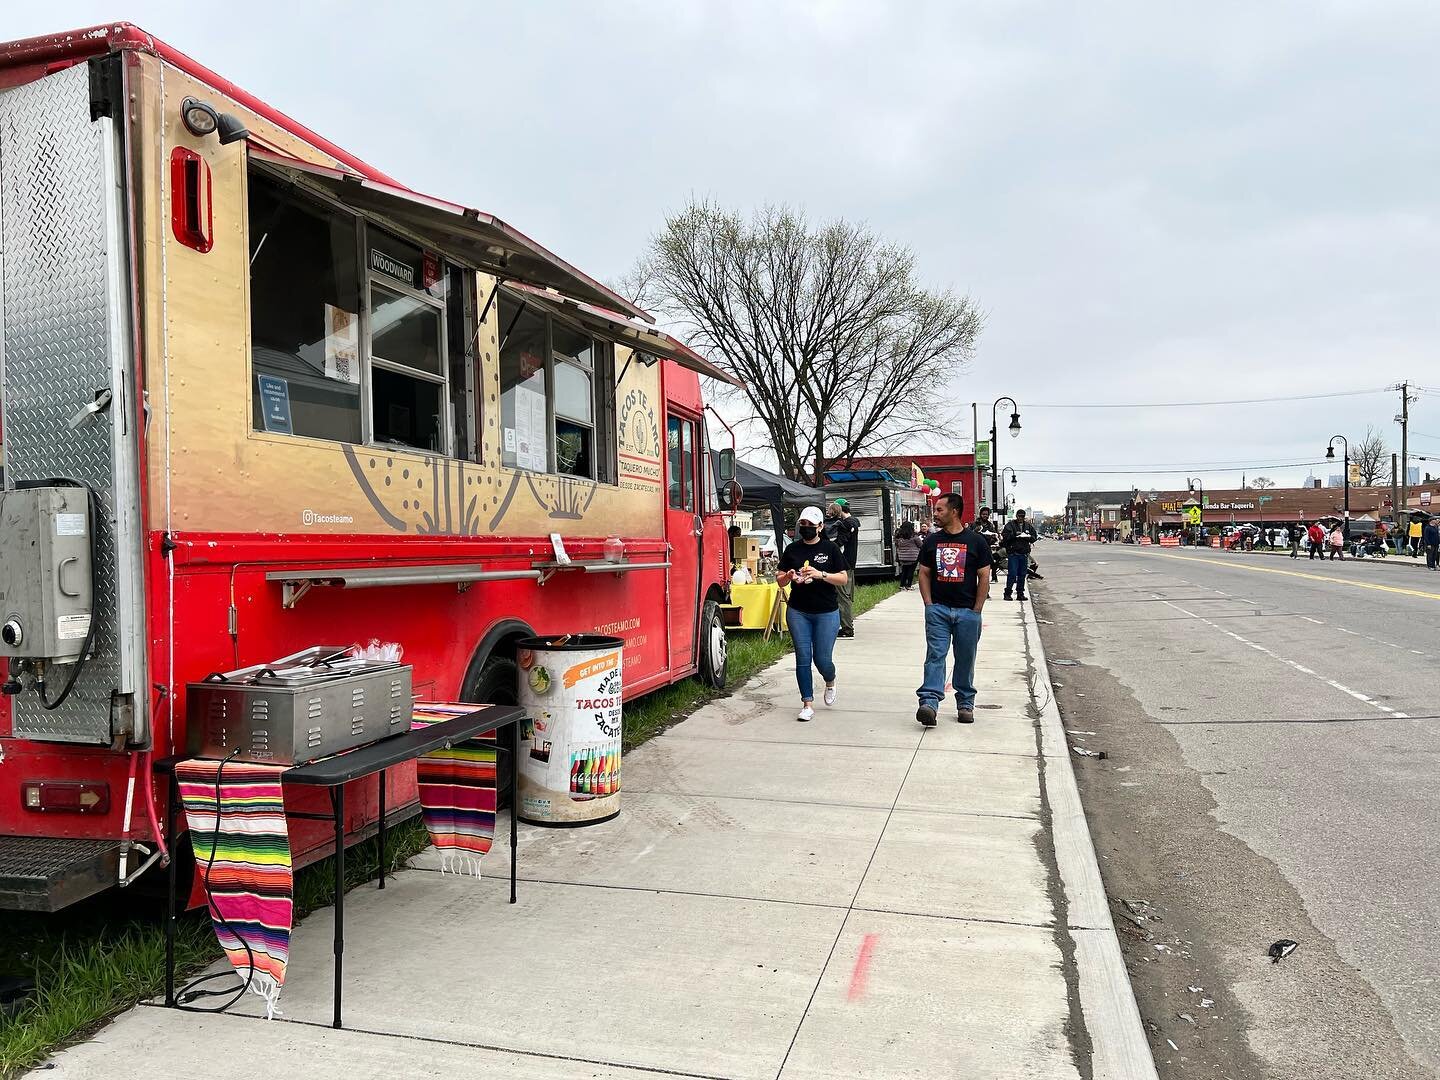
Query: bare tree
column 1260, row 483
column 1371, row 458
column 839, row 350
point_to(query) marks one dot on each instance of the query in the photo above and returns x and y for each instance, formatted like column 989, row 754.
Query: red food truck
column 257, row 396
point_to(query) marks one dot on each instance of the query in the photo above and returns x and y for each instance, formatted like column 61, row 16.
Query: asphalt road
column 1273, row 736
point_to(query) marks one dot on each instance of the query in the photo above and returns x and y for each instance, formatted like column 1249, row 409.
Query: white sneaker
column 830, row 694
column 806, row 713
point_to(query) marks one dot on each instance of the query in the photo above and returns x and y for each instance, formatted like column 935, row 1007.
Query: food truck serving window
column 343, row 313
column 304, row 317
column 556, row 404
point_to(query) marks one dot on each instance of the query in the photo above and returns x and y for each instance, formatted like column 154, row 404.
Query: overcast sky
column 1236, row 201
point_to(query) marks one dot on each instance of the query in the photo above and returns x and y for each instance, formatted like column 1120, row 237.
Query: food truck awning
column 616, row 327
column 485, row 240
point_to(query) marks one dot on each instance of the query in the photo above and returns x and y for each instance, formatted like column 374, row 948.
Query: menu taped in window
column 531, row 438
column 342, row 345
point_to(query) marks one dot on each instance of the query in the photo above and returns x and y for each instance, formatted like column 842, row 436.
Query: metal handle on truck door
column 60, row 576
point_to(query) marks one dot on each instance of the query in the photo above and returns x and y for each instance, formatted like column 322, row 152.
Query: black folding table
column 333, row 773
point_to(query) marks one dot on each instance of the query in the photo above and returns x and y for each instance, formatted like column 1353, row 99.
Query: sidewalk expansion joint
column 847, row 805
column 325, row 1025
column 820, row 977
column 653, row 891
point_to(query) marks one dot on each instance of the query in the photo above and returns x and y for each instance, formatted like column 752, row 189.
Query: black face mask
column 807, row 532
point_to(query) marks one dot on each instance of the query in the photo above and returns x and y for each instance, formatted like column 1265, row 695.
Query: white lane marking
column 1357, row 695
column 1352, row 633
column 1307, row 618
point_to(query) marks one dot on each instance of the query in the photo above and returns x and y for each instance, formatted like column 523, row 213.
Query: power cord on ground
column 189, row 992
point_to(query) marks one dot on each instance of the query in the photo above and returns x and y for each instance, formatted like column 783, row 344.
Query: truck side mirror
column 726, row 465
column 730, row 495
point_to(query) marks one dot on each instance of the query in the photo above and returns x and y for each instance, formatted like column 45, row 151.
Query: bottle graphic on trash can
column 571, row 688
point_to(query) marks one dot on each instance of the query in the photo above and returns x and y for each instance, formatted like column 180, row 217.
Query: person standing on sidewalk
column 907, row 552
column 1016, row 540
column 1416, row 529
column 985, row 526
column 954, row 580
column 843, row 531
column 817, row 570
column 1431, row 537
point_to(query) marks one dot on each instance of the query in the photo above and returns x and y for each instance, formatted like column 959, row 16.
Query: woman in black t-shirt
column 815, row 567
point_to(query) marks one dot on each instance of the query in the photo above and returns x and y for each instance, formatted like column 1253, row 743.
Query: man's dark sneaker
column 1021, row 598
column 926, row 715
column 965, row 716
column 846, row 633
column 1009, row 597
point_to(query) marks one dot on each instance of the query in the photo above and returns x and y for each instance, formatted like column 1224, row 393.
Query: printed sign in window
column 275, row 404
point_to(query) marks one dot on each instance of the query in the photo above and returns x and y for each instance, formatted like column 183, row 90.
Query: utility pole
column 975, row 458
column 1404, row 419
column 1394, row 496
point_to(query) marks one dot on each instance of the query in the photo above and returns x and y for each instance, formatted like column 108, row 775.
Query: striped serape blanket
column 457, row 792
column 249, row 882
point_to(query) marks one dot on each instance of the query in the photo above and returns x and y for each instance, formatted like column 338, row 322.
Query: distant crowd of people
column 1328, row 539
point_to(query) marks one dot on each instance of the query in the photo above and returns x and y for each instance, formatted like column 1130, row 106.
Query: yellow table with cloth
column 755, row 604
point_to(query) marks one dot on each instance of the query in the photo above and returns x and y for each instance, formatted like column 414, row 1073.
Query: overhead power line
column 1027, row 470
column 1249, row 463
column 1202, row 404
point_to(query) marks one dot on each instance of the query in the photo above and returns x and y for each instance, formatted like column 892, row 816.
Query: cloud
column 1151, row 202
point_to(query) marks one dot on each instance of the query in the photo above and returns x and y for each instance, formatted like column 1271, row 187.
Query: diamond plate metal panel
column 54, row 302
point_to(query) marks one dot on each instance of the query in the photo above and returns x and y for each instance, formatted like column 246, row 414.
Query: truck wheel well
column 499, row 641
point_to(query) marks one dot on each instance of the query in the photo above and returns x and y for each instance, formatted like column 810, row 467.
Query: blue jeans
column 1015, row 572
column 814, row 640
column 948, row 628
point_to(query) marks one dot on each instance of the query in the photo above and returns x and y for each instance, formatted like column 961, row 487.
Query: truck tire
column 496, row 684
column 713, row 646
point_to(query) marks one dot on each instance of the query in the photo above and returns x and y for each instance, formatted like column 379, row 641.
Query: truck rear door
column 66, row 343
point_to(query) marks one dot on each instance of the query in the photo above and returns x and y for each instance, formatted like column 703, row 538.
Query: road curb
column 1119, row 1048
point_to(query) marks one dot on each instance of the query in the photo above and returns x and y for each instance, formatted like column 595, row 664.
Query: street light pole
column 1330, row 454
column 1193, row 484
column 1013, row 479
column 994, row 448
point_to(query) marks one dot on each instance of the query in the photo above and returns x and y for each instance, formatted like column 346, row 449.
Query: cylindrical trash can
column 570, row 688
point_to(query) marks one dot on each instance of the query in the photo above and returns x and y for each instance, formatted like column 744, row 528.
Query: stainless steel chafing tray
column 299, row 708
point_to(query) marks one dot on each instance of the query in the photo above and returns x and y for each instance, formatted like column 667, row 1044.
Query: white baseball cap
column 812, row 515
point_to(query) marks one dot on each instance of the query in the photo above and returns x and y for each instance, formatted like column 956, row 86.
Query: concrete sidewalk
column 854, row 897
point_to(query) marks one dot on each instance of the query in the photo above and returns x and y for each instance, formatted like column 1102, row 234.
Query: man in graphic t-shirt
column 954, row 571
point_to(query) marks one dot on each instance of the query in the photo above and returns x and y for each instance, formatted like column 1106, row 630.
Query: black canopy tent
column 774, row 492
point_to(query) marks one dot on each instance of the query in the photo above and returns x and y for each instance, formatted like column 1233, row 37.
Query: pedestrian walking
column 843, row 531
column 1431, row 538
column 907, row 552
column 1316, row 533
column 954, row 579
column 816, row 569
column 1016, row 540
column 1337, row 544
column 1296, row 532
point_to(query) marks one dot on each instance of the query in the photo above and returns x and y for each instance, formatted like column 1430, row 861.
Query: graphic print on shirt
column 950, row 561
